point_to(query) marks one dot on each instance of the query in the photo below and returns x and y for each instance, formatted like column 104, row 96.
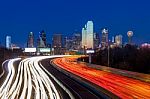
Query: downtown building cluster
column 87, row 39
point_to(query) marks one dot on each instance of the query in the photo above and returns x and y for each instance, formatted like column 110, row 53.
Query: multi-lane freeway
column 123, row 87
column 27, row 80
column 78, row 90
column 61, row 77
column 35, row 78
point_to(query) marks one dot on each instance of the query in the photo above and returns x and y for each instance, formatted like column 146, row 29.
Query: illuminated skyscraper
column 84, row 37
column 43, row 37
column 118, row 40
column 8, row 42
column 41, row 41
column 30, row 42
column 88, row 35
column 96, row 40
column 104, row 42
column 113, row 39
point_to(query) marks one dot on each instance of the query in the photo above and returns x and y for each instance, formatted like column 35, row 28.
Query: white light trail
column 28, row 81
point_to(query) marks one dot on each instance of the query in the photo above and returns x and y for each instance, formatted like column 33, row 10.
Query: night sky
column 19, row 17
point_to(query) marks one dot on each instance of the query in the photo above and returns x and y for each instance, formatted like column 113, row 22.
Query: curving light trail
column 7, row 83
column 3, row 68
column 124, row 87
column 28, row 81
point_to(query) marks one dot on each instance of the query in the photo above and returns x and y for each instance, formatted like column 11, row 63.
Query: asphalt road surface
column 35, row 78
column 123, row 87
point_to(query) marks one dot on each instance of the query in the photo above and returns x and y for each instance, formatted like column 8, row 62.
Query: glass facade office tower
column 41, row 41
column 96, row 40
column 104, row 41
column 30, row 42
column 84, row 39
column 8, row 42
column 118, row 40
column 88, row 36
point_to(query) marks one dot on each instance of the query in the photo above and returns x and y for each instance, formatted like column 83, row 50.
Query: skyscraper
column 88, row 35
column 8, row 42
column 30, row 42
column 41, row 41
column 96, row 40
column 113, row 39
column 104, row 41
column 68, row 43
column 118, row 40
column 84, row 38
column 57, row 43
column 76, row 41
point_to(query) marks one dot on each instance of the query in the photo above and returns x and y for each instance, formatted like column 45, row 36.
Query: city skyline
column 74, row 49
column 21, row 17
column 110, row 37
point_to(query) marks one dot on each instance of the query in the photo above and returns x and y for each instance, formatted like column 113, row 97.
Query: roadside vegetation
column 129, row 57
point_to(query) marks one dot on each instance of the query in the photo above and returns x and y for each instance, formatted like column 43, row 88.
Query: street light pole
column 90, row 58
column 108, row 55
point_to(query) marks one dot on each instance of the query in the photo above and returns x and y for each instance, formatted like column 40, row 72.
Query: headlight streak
column 6, row 85
column 3, row 68
column 30, row 78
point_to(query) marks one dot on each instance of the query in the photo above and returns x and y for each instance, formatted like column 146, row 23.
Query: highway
column 28, row 80
column 123, row 87
column 35, row 78
column 78, row 90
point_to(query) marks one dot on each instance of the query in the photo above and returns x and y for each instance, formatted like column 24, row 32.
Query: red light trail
column 123, row 87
